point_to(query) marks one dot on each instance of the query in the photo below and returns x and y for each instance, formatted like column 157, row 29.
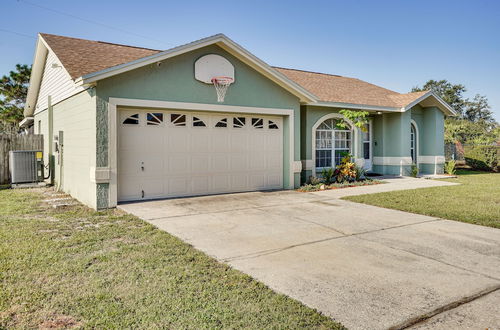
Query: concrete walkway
column 367, row 267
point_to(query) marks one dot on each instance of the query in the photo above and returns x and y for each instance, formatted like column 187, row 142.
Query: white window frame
column 415, row 145
column 370, row 145
column 354, row 138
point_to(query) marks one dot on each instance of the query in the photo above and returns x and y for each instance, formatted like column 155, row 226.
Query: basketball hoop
column 221, row 84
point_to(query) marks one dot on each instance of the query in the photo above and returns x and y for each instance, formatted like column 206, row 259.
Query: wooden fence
column 10, row 142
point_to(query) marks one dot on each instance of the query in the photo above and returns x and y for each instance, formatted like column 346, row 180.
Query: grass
column 476, row 200
column 80, row 268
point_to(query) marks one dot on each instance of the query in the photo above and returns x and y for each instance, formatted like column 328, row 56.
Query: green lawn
column 80, row 268
column 476, row 200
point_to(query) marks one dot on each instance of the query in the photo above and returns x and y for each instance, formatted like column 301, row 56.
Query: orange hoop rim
column 222, row 80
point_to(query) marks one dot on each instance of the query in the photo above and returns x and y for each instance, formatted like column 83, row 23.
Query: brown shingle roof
column 333, row 88
column 80, row 57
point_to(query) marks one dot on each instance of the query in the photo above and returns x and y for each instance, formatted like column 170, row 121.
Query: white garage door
column 174, row 153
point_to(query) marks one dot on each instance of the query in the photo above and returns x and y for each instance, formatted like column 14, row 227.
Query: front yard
column 476, row 200
column 80, row 268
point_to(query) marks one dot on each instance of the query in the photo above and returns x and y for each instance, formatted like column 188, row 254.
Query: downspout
column 51, row 137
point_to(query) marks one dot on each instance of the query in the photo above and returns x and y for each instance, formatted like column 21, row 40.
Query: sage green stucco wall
column 432, row 132
column 174, row 81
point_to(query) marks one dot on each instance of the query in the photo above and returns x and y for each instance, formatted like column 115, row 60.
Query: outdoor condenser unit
column 26, row 166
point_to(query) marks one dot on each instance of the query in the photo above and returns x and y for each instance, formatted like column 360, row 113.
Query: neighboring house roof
column 88, row 61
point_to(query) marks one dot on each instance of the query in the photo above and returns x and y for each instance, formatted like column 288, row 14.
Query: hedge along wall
column 485, row 158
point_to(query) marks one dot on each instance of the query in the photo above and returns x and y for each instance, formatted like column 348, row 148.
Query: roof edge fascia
column 354, row 106
column 445, row 107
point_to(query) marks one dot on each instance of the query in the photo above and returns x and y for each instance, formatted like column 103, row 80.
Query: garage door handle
column 142, row 193
column 142, row 168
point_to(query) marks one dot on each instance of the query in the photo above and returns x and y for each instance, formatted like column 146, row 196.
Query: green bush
column 328, row 175
column 449, row 167
column 485, row 158
column 414, row 170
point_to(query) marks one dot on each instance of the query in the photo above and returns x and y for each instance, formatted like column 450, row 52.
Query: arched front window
column 332, row 143
column 413, row 144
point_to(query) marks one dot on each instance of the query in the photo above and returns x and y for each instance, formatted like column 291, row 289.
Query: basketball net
column 221, row 85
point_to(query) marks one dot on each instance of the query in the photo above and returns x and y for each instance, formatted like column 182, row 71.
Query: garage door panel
column 221, row 183
column 200, row 141
column 152, row 187
column 221, row 140
column 221, row 163
column 275, row 180
column 200, row 184
column 197, row 160
column 238, row 162
column 257, row 181
column 257, row 161
column 201, row 163
column 239, row 182
column 178, row 140
column 179, row 163
column 238, row 141
column 178, row 186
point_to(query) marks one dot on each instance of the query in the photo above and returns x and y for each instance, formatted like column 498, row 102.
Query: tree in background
column 475, row 123
column 13, row 92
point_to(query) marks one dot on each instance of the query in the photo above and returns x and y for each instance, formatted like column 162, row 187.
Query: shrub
column 414, row 170
column 449, row 167
column 346, row 171
column 485, row 158
column 328, row 175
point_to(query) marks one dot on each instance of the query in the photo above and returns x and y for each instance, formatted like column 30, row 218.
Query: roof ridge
column 122, row 45
column 326, row 74
column 99, row 41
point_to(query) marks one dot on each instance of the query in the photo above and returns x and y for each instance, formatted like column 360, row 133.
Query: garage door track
column 367, row 267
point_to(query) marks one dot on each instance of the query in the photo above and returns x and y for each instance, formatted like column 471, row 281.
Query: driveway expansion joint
column 462, row 301
column 278, row 250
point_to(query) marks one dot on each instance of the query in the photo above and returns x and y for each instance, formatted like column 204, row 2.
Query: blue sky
column 395, row 44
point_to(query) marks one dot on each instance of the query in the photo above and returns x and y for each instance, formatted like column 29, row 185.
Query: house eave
column 365, row 107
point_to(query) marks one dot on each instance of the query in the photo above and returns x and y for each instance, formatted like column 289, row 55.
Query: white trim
column 432, row 160
column 354, row 131
column 366, row 107
column 26, row 121
column 114, row 103
column 417, row 142
column 447, row 108
column 297, row 166
column 307, row 164
column 396, row 161
column 222, row 41
column 100, row 174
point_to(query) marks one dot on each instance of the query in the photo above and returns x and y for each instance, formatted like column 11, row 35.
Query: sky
column 394, row 44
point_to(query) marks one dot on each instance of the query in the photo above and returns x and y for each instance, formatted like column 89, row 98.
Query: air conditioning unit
column 26, row 166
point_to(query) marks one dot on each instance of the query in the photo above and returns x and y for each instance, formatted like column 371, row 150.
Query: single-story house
column 125, row 123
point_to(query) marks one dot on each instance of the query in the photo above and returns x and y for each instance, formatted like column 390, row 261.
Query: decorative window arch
column 414, row 145
column 329, row 142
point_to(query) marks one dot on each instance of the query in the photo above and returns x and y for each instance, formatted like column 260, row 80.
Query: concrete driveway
column 367, row 267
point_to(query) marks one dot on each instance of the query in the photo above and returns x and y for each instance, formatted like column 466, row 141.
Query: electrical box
column 26, row 166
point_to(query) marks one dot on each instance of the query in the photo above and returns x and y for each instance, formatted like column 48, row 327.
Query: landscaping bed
column 78, row 268
column 323, row 186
